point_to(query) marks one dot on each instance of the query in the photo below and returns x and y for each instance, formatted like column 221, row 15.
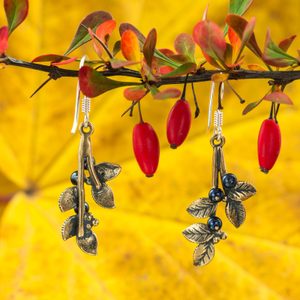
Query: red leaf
column 210, row 38
column 165, row 70
column 82, row 35
column 275, row 56
column 279, row 97
column 130, row 46
column 184, row 44
column 135, row 93
column 117, row 63
column 149, row 47
column 167, row 94
column 50, row 58
column 3, row 39
column 16, row 12
column 239, row 24
column 93, row 83
column 286, row 43
column 64, row 62
column 182, row 70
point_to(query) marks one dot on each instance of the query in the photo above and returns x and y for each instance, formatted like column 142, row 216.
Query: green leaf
column 149, row 46
column 93, row 83
column 251, row 106
column 184, row 44
column 182, row 70
column 82, row 35
column 16, row 12
column 50, row 58
column 239, row 25
column 239, row 7
column 275, row 56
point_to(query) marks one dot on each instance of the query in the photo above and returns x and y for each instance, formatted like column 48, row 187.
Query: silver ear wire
column 210, row 107
column 77, row 101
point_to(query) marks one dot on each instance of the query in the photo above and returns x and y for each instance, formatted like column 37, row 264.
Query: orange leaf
column 64, row 62
column 130, row 46
column 234, row 39
column 286, row 43
column 256, row 67
column 279, row 97
column 135, row 93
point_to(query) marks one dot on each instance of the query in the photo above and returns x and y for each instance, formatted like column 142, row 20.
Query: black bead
column 74, row 178
column 214, row 223
column 229, row 181
column 216, row 195
column 86, row 206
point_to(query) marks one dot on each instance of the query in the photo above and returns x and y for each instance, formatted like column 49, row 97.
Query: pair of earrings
column 88, row 173
column 225, row 187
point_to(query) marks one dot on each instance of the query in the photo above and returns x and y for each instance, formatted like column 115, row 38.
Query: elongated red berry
column 179, row 123
column 269, row 142
column 146, row 148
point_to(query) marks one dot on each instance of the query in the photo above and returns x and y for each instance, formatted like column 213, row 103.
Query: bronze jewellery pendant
column 233, row 193
column 80, row 225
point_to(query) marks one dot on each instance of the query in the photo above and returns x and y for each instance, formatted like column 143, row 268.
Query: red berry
column 269, row 142
column 179, row 123
column 146, row 148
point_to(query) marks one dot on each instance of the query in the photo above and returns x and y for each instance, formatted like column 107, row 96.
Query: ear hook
column 77, row 100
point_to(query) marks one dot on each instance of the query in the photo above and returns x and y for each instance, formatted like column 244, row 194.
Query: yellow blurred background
column 142, row 253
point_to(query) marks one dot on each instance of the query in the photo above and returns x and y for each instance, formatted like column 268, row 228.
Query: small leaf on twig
column 235, row 212
column 185, row 45
column 135, row 93
column 251, row 106
column 103, row 196
column 3, row 39
column 203, row 254
column 130, row 46
column 202, row 208
column 93, row 83
column 198, row 233
column 279, row 97
column 149, row 47
column 182, row 70
column 241, row 191
column 167, row 94
column 68, row 199
column 286, row 43
column 88, row 243
column 16, row 12
column 82, row 35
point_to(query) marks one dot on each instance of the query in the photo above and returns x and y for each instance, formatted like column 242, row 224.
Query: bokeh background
column 142, row 253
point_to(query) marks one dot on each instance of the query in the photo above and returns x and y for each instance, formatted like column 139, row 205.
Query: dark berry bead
column 229, row 180
column 214, row 223
column 74, row 178
column 86, row 206
column 216, row 195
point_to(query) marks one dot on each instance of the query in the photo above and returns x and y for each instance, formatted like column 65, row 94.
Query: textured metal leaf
column 68, row 199
column 69, row 228
column 104, row 196
column 198, row 233
column 235, row 212
column 88, row 243
column 202, row 208
column 242, row 191
column 203, row 254
column 107, row 171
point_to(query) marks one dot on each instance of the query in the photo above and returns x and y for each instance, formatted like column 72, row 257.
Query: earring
column 89, row 173
column 232, row 192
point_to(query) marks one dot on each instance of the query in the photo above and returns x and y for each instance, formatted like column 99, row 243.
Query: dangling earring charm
column 231, row 191
column 80, row 224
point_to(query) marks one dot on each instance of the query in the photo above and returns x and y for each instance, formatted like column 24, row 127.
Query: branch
column 54, row 72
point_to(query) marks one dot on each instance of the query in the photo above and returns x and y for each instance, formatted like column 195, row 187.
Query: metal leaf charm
column 69, row 228
column 198, row 233
column 203, row 254
column 68, row 199
column 202, row 208
column 241, row 191
column 104, row 196
column 235, row 212
column 88, row 243
column 107, row 171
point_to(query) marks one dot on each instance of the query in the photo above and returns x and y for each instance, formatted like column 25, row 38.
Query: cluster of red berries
column 145, row 140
